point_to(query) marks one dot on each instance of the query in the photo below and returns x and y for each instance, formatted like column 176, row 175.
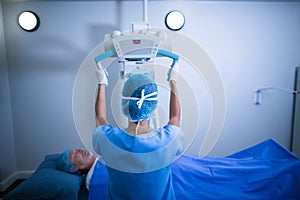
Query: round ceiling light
column 174, row 20
column 29, row 21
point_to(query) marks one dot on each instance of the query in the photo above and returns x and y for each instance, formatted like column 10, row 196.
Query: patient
column 269, row 172
column 78, row 161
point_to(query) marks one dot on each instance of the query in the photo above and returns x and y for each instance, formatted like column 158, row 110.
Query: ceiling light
column 29, row 21
column 174, row 20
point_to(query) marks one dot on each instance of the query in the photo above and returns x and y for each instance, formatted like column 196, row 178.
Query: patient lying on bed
column 264, row 171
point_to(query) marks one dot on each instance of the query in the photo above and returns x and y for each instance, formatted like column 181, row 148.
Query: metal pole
column 146, row 11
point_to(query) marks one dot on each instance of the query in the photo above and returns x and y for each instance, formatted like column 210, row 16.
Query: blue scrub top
column 139, row 166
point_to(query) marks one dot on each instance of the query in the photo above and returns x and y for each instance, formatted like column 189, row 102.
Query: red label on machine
column 136, row 41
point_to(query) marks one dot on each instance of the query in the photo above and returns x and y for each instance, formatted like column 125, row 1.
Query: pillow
column 48, row 183
column 50, row 161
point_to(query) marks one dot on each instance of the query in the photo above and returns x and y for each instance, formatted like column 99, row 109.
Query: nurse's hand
column 101, row 74
column 173, row 74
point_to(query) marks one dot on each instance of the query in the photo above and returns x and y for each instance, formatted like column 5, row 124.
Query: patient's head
column 76, row 161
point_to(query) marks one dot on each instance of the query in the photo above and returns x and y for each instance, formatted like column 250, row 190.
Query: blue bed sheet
column 263, row 172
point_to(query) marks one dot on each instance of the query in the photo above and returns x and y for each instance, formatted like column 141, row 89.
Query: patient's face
column 81, row 159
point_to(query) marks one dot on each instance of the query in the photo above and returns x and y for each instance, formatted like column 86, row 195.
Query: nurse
column 138, row 159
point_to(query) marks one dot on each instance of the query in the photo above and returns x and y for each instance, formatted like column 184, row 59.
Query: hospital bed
column 264, row 171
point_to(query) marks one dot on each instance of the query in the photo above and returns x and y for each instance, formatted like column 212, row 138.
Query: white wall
column 252, row 44
column 7, row 147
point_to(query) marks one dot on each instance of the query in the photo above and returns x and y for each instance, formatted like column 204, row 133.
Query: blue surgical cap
column 139, row 97
column 65, row 163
